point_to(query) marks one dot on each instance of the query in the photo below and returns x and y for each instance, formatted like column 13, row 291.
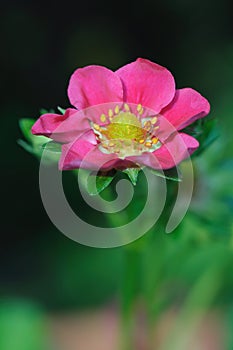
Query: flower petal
column 85, row 154
column 62, row 128
column 48, row 122
column 147, row 83
column 187, row 106
column 178, row 147
column 93, row 85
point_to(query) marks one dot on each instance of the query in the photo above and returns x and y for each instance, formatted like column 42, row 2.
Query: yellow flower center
column 125, row 126
column 126, row 133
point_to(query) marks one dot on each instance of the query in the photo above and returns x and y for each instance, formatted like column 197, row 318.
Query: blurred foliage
column 205, row 131
column 22, row 326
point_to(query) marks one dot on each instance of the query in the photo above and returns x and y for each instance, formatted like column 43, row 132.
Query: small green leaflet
column 52, row 146
column 25, row 146
column 97, row 183
column 171, row 174
column 36, row 144
column 33, row 144
column 61, row 110
column 45, row 111
column 205, row 131
column 25, row 125
column 132, row 174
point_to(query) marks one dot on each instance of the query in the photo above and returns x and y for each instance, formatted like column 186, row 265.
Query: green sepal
column 172, row 174
column 45, row 111
column 25, row 125
column 96, row 183
column 61, row 110
column 52, row 146
column 25, row 146
column 132, row 174
column 205, row 131
column 34, row 144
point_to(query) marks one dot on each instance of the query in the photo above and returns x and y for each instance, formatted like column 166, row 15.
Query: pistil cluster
column 127, row 133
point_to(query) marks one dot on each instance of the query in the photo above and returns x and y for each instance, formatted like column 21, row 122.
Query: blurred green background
column 43, row 273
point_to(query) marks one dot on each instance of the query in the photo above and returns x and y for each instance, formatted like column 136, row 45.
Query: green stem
column 151, row 266
column 130, row 273
column 152, row 271
column 143, row 255
column 130, row 276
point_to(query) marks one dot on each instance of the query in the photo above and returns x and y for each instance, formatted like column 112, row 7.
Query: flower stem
column 129, row 291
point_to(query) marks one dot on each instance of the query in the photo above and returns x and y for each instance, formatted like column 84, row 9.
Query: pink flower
column 131, row 116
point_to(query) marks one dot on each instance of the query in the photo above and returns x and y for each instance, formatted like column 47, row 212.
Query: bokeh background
column 55, row 293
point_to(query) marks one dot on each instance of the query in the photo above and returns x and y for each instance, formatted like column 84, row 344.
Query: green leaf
column 28, row 322
column 97, row 183
column 45, row 111
column 52, row 146
column 62, row 110
column 209, row 134
column 132, row 174
column 171, row 174
column 25, row 126
column 205, row 131
column 25, row 146
column 35, row 143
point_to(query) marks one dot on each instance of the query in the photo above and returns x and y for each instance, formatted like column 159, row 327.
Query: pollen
column 126, row 107
column 103, row 118
column 96, row 127
column 155, row 140
column 110, row 113
column 140, row 108
column 154, row 120
column 126, row 133
column 117, row 109
column 147, row 125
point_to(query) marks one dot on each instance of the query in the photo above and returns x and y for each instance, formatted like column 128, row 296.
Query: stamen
column 96, row 127
column 110, row 113
column 117, row 109
column 140, row 108
column 126, row 107
column 103, row 118
column 125, row 133
column 155, row 140
column 147, row 125
column 154, row 120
